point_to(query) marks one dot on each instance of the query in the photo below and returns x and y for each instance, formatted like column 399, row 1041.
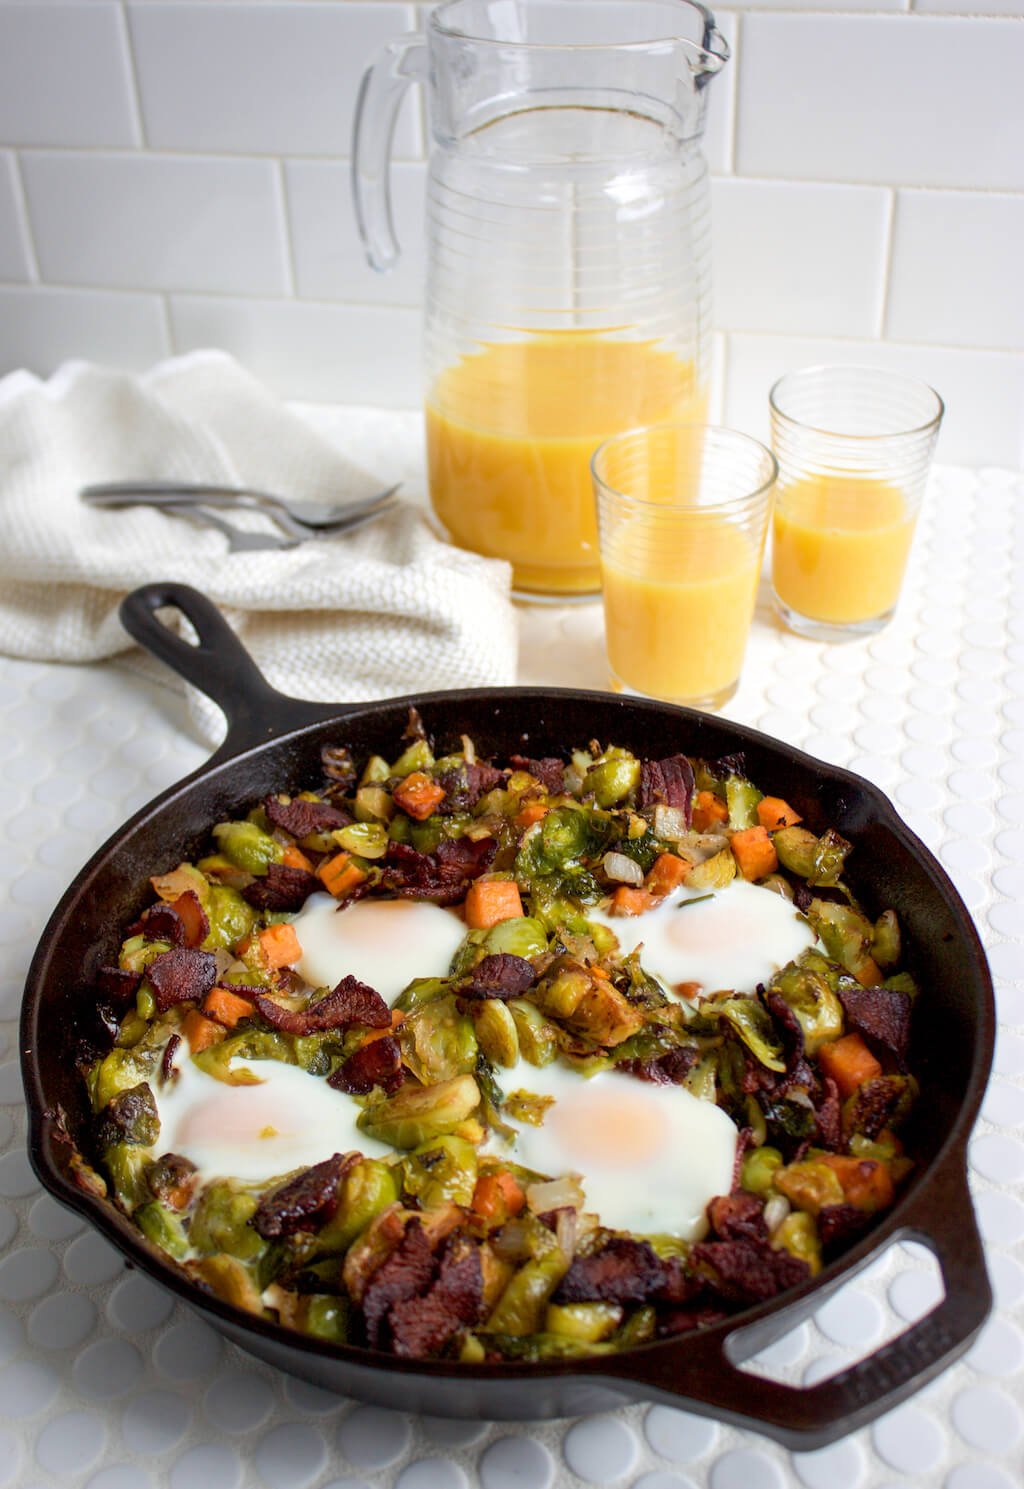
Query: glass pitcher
column 568, row 267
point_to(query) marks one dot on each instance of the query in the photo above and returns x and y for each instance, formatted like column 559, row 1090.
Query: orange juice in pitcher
column 568, row 253
column 510, row 433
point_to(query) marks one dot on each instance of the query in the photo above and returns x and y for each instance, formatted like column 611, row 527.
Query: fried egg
column 650, row 1157
column 289, row 1120
column 384, row 943
column 736, row 938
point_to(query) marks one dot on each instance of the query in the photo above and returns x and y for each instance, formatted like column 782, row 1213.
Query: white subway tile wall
column 174, row 173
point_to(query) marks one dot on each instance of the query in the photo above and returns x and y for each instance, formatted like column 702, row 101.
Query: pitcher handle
column 385, row 83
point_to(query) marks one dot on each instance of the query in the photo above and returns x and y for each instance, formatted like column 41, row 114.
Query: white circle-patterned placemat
column 106, row 1382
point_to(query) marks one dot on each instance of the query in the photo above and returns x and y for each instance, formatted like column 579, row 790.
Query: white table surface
column 106, row 1382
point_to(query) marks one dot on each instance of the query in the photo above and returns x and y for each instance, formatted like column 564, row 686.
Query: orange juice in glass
column 510, row 432
column 854, row 447
column 682, row 513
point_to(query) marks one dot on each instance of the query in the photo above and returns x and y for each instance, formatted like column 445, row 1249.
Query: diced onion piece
column 775, row 1212
column 623, row 870
column 555, row 1194
column 468, row 750
column 566, row 1225
column 670, row 823
column 698, row 847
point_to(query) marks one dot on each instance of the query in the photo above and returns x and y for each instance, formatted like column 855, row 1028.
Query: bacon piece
column 377, row 1063
column 882, row 1015
column 282, row 888
column 404, row 1274
column 181, row 975
column 549, row 770
column 738, row 1217
column 669, row 1069
column 829, row 1114
column 304, row 1203
column 623, row 1271
column 748, row 1271
column 788, row 1025
column 442, row 876
column 161, row 922
column 301, row 818
column 351, row 1002
column 119, row 986
column 667, row 783
column 840, row 1223
column 167, row 1060
column 421, row 1326
column 501, row 975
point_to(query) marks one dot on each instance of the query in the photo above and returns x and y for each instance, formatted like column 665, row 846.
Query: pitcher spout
column 712, row 56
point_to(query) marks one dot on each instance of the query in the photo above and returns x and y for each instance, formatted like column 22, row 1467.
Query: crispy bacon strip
column 744, row 1271
column 882, row 1015
column 829, row 1114
column 669, row 1069
column 442, row 876
column 304, row 1203
column 668, row 783
column 167, row 1059
column 301, row 818
column 738, row 1217
column 282, row 888
column 404, row 1274
column 788, row 1025
column 181, row 975
column 501, row 975
column 622, row 1271
column 377, row 1063
column 421, row 1326
column 161, row 922
column 351, row 1002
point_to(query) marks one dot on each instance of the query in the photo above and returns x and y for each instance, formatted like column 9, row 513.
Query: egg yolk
column 599, row 1132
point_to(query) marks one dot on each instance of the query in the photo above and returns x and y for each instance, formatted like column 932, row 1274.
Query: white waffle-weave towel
column 387, row 610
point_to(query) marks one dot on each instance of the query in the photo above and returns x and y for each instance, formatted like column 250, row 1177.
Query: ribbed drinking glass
column 683, row 513
column 854, row 446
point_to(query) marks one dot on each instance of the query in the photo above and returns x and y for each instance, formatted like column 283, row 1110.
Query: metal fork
column 300, row 519
column 239, row 541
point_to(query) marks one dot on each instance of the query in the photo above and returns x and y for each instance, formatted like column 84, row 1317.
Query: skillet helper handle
column 807, row 1418
column 218, row 665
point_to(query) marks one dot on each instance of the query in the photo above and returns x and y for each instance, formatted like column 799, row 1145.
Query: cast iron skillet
column 273, row 743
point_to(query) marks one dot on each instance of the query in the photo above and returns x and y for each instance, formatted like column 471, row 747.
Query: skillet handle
column 218, row 665
column 806, row 1418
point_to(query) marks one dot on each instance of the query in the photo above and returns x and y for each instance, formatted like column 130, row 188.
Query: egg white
column 739, row 937
column 290, row 1120
column 650, row 1157
column 384, row 943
